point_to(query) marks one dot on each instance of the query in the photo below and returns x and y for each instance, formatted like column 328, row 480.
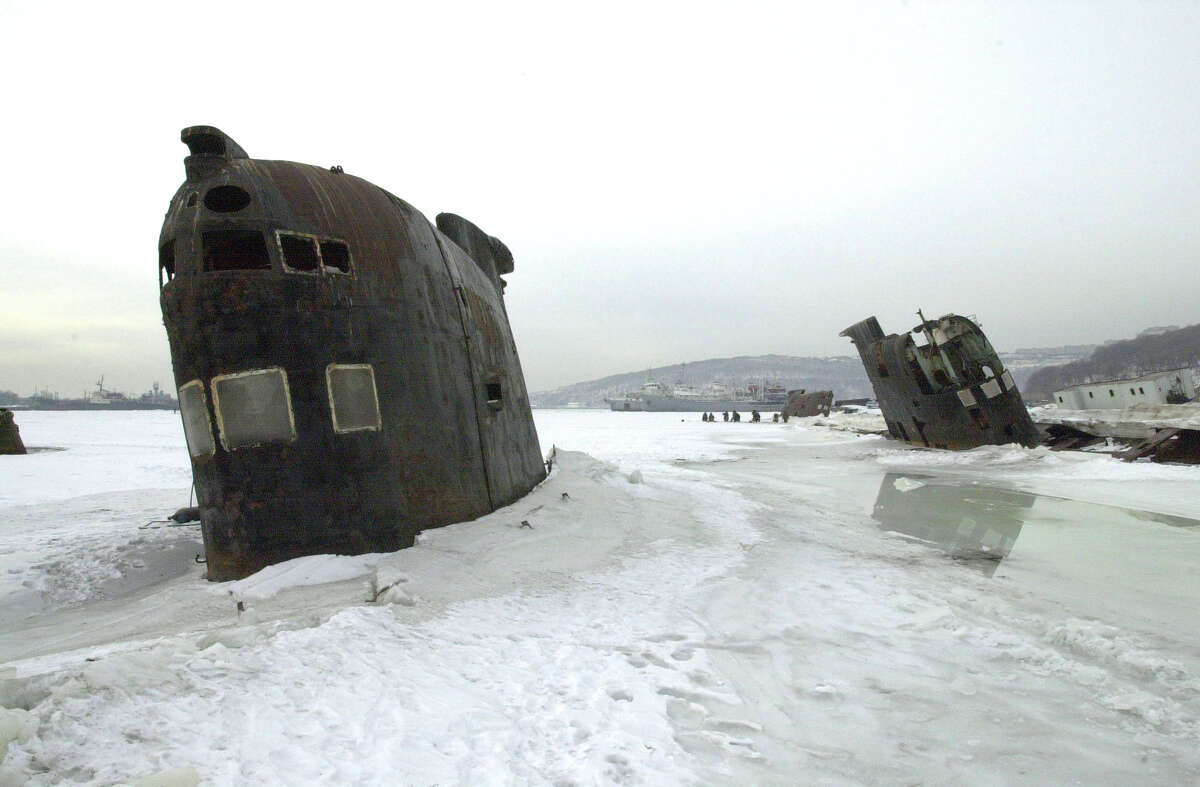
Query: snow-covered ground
column 726, row 603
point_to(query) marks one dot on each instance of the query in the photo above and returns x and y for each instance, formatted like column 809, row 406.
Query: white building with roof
column 1118, row 394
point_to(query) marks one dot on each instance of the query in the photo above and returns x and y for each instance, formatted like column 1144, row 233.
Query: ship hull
column 983, row 409
column 669, row 404
column 80, row 404
column 346, row 370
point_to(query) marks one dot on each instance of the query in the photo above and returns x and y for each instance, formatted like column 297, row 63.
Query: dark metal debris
column 802, row 405
column 10, row 433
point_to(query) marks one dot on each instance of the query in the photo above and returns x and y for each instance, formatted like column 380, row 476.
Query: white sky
column 676, row 181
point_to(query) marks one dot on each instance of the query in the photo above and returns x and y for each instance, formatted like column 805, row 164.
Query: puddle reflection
column 975, row 524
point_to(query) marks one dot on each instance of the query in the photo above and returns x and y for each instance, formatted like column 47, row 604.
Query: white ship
column 714, row 397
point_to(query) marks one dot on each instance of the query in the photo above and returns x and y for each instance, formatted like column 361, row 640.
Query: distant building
column 1170, row 387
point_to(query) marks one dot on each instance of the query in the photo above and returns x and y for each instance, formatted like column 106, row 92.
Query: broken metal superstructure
column 803, row 405
column 346, row 371
column 942, row 385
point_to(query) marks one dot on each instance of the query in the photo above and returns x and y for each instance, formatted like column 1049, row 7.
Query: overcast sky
column 676, row 181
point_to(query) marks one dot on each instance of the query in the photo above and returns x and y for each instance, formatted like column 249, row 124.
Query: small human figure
column 754, row 416
column 725, row 415
column 775, row 418
column 785, row 416
column 736, row 416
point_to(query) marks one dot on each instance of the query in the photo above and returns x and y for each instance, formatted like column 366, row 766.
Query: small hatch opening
column 233, row 250
column 494, row 396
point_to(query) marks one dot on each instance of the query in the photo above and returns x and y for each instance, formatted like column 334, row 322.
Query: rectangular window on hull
column 235, row 250
column 166, row 261
column 303, row 253
column 299, row 253
column 253, row 408
column 335, row 256
column 353, row 399
column 197, row 428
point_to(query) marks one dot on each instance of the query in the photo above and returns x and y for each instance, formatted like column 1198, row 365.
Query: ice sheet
column 692, row 603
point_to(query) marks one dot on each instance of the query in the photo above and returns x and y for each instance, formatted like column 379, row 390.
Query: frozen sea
column 690, row 603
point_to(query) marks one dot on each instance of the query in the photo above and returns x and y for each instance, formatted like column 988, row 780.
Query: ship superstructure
column 713, row 397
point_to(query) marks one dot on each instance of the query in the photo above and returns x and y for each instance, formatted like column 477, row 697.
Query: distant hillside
column 1151, row 351
column 1024, row 363
column 842, row 374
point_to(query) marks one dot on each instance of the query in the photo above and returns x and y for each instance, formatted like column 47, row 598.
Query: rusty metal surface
column 950, row 392
column 10, row 433
column 1173, row 446
column 803, row 405
column 425, row 315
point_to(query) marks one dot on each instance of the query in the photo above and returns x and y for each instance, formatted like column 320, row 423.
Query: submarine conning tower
column 941, row 385
column 346, row 371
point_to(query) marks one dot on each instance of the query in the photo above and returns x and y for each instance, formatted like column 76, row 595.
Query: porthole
column 226, row 199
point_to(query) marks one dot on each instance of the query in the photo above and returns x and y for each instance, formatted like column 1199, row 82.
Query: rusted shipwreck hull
column 346, row 371
column 803, row 405
column 948, row 390
column 10, row 433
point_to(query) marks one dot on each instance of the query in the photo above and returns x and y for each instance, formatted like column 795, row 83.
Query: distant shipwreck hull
column 346, row 371
column 951, row 391
column 804, row 405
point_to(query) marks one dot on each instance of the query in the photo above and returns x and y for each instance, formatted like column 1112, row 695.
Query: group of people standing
column 755, row 417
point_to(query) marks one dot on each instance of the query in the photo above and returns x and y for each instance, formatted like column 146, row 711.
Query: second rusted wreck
column 803, row 405
column 941, row 385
